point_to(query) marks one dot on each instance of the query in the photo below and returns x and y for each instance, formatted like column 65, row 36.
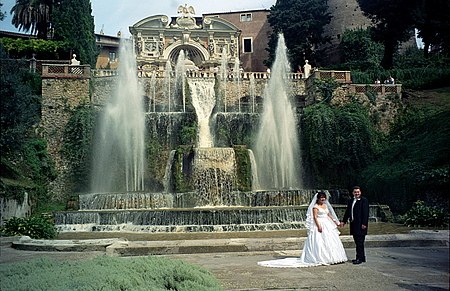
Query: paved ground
column 418, row 260
column 394, row 268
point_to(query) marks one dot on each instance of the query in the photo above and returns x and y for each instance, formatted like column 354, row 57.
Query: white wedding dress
column 321, row 248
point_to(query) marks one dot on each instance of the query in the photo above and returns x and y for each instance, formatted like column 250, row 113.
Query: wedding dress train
column 321, row 248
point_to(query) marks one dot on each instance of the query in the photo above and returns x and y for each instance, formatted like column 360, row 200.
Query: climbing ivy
column 338, row 142
column 244, row 169
column 326, row 87
column 77, row 145
column 181, row 173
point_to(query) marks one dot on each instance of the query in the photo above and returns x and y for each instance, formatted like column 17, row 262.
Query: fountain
column 211, row 182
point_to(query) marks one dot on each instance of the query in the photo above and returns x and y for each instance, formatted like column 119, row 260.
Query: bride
column 322, row 246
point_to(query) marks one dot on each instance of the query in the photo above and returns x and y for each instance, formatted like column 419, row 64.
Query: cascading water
column 203, row 100
column 277, row 149
column 118, row 163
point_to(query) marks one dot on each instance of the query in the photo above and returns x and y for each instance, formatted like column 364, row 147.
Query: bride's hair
column 320, row 195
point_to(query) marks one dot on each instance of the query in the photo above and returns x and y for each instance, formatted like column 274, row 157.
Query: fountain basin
column 203, row 219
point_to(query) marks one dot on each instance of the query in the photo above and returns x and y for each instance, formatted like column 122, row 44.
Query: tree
column 302, row 24
column 360, row 52
column 393, row 23
column 433, row 24
column 338, row 142
column 2, row 14
column 74, row 24
column 33, row 15
column 20, row 103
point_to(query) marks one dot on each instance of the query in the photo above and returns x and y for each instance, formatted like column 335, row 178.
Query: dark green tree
column 431, row 18
column 74, row 24
column 20, row 103
column 302, row 24
column 360, row 52
column 33, row 16
column 393, row 23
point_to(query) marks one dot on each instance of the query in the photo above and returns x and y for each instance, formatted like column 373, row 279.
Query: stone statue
column 74, row 61
column 306, row 69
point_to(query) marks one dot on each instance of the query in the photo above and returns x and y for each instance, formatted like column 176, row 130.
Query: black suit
column 360, row 217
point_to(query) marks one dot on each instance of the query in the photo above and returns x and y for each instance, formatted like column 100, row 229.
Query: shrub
column 423, row 215
column 106, row 273
column 34, row 227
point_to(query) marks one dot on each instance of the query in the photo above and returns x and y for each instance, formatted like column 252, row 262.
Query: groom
column 358, row 213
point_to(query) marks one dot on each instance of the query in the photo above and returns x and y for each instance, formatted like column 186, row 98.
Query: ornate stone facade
column 159, row 39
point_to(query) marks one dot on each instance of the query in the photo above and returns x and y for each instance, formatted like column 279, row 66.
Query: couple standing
column 323, row 246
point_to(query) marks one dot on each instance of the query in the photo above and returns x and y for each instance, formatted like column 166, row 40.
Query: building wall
column 108, row 57
column 346, row 15
column 258, row 29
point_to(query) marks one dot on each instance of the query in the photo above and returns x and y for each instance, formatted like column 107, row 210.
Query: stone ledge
column 123, row 247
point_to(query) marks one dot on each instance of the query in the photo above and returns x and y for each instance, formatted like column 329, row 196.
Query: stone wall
column 103, row 88
column 13, row 208
column 59, row 97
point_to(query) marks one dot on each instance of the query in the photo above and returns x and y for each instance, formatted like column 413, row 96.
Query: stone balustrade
column 104, row 73
column 379, row 89
column 196, row 74
column 66, row 71
column 339, row 76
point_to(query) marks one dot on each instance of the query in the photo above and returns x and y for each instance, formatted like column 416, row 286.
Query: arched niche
column 194, row 52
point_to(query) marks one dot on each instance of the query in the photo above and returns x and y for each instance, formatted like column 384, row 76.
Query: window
column 247, row 44
column 112, row 57
column 246, row 17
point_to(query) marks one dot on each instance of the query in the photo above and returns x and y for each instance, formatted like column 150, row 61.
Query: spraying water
column 277, row 149
column 223, row 76
column 237, row 80
column 118, row 163
column 223, row 65
column 167, row 77
column 152, row 101
column 252, row 91
column 180, row 78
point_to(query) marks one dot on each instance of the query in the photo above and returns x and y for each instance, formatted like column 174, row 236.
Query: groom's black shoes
column 358, row 261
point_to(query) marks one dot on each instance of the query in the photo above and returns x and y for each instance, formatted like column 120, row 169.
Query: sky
column 118, row 15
